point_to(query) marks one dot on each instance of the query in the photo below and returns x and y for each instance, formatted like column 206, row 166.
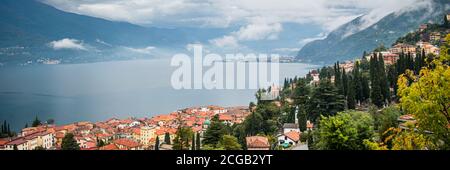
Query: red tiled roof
column 257, row 142
column 224, row 117
column 127, row 143
column 109, row 147
column 293, row 135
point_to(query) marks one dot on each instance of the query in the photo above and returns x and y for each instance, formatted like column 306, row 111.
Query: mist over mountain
column 351, row 39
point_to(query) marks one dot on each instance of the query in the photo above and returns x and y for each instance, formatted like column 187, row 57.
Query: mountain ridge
column 338, row 47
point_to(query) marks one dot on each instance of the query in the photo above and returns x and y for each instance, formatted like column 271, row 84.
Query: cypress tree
column 344, row 83
column 302, row 118
column 197, row 142
column 351, row 94
column 167, row 138
column 193, row 142
column 157, row 143
column 383, row 79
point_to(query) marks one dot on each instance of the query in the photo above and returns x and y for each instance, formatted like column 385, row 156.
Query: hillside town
column 123, row 134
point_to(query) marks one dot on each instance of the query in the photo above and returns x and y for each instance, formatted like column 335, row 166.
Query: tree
column 376, row 94
column 386, row 120
column 301, row 93
column 15, row 147
column 427, row 96
column 100, row 143
column 214, row 132
column 345, row 131
column 167, row 138
column 229, row 142
column 302, row 119
column 198, row 143
column 26, row 125
column 36, row 122
column 69, row 142
column 157, row 143
column 193, row 142
column 325, row 100
column 182, row 138
column 351, row 104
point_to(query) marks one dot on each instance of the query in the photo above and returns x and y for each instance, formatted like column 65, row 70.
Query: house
column 347, row 66
column 435, row 36
column 405, row 48
column 257, row 143
column 31, row 141
column 226, row 119
column 315, row 76
column 423, row 27
column 146, row 134
column 309, row 125
column 289, row 138
column 127, row 144
column 390, row 58
column 288, row 127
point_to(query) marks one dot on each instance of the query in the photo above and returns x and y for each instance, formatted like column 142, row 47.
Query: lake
column 99, row 91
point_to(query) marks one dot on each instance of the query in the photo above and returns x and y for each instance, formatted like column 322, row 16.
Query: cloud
column 222, row 13
column 146, row 50
column 259, row 31
column 68, row 43
column 320, row 36
column 225, row 41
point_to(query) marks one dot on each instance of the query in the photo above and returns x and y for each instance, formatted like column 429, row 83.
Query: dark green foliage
column 69, row 142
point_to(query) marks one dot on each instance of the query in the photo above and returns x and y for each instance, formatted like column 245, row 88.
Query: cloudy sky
column 255, row 19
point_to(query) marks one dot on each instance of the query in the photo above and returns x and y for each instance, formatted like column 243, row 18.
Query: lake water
column 98, row 91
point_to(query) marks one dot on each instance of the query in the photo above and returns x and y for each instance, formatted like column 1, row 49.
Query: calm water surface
column 98, row 91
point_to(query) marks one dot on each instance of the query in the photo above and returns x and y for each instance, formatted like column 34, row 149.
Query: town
column 373, row 101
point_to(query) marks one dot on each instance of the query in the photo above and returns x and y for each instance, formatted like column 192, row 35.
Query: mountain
column 349, row 41
column 28, row 26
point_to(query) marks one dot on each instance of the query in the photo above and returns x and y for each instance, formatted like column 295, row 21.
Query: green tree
column 193, row 142
column 198, row 143
column 157, row 143
column 229, row 142
column 325, row 100
column 182, row 138
column 427, row 96
column 36, row 122
column 345, row 131
column 302, row 119
column 351, row 103
column 167, row 138
column 214, row 132
column 69, row 142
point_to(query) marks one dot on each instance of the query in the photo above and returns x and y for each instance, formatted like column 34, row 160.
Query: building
column 226, row 119
column 435, row 36
column 309, row 125
column 347, row 66
column 289, row 127
column 127, row 144
column 257, row 143
column 147, row 133
column 423, row 27
column 31, row 141
column 405, row 48
column 289, row 138
column 390, row 58
column 315, row 77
